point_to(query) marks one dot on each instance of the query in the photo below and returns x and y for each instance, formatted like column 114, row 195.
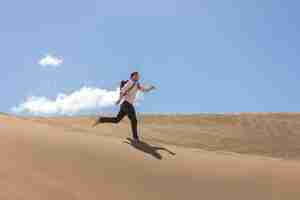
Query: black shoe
column 98, row 121
column 136, row 139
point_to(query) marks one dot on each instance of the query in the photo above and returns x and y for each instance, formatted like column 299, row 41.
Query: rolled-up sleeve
column 142, row 88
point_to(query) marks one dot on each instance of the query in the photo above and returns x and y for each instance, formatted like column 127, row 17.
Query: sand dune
column 245, row 156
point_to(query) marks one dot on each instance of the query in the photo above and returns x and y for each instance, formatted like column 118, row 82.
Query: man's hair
column 133, row 74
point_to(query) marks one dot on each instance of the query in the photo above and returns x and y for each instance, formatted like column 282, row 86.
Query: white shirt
column 130, row 95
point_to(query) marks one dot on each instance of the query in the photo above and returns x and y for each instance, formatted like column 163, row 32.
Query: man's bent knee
column 117, row 120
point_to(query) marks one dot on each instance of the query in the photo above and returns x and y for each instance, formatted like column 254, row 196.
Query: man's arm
column 146, row 89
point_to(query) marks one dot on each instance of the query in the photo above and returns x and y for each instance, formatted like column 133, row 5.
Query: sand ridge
column 181, row 157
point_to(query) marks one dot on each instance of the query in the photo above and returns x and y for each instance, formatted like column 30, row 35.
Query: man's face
column 136, row 77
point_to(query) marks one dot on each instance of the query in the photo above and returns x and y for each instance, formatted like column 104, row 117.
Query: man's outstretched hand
column 153, row 87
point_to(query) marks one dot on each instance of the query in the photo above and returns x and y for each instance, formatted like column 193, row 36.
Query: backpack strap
column 125, row 93
column 129, row 89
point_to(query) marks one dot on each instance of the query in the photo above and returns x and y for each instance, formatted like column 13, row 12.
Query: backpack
column 123, row 83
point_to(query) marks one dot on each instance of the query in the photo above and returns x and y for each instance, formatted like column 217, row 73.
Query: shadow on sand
column 147, row 148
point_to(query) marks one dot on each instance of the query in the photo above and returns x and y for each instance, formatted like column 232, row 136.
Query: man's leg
column 116, row 119
column 133, row 120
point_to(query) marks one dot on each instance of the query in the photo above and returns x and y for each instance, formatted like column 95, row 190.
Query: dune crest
column 244, row 156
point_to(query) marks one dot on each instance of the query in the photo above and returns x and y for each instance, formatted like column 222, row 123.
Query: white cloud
column 85, row 99
column 50, row 60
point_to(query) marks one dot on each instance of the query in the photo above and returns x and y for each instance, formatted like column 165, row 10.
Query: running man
column 128, row 94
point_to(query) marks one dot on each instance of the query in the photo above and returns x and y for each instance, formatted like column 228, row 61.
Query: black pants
column 126, row 109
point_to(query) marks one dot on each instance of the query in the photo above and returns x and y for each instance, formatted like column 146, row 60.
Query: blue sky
column 203, row 56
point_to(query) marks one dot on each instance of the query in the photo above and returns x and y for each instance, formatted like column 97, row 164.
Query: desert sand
column 226, row 157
